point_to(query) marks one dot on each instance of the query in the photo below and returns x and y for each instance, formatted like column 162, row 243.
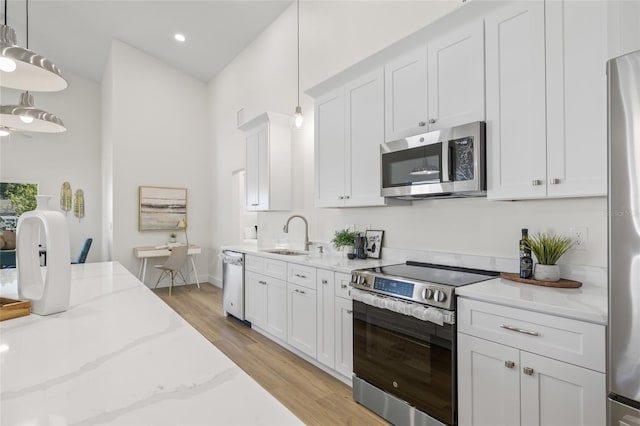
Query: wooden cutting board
column 563, row 283
column 11, row 308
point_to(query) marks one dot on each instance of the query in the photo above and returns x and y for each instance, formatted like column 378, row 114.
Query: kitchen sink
column 286, row 252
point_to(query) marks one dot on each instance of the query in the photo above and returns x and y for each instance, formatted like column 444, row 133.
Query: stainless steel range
column 404, row 340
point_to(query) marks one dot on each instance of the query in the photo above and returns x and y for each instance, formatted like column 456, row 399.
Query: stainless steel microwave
column 443, row 163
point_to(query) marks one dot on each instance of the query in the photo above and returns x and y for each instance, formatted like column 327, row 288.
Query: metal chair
column 82, row 258
column 173, row 265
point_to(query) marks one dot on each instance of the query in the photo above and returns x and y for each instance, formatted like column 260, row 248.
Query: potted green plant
column 548, row 249
column 344, row 240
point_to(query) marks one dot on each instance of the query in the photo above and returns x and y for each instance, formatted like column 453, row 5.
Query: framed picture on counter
column 374, row 243
column 162, row 208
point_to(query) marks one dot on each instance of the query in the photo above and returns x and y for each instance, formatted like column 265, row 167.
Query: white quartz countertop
column 120, row 355
column 587, row 303
column 332, row 261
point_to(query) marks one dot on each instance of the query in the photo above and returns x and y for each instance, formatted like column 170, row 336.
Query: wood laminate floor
column 310, row 393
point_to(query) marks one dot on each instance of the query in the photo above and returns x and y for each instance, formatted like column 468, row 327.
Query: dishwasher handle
column 233, row 260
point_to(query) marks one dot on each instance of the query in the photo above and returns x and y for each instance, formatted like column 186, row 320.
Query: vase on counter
column 546, row 272
column 51, row 294
column 346, row 250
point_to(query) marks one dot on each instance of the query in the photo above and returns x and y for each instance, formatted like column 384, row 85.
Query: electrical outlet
column 580, row 237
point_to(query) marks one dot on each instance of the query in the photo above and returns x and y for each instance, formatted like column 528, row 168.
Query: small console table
column 144, row 253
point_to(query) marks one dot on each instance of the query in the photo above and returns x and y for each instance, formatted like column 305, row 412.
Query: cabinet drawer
column 573, row 341
column 302, row 275
column 342, row 285
column 266, row 266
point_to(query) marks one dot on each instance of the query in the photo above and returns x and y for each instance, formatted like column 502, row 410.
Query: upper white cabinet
column 546, row 103
column 405, row 90
column 348, row 134
column 438, row 85
column 456, row 77
column 268, row 162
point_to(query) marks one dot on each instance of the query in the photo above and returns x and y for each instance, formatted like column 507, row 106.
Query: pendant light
column 23, row 69
column 298, row 114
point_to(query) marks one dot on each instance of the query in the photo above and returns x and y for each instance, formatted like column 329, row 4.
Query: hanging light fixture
column 23, row 69
column 298, row 114
column 25, row 117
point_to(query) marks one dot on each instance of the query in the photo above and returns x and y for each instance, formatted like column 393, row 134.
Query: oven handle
column 520, row 330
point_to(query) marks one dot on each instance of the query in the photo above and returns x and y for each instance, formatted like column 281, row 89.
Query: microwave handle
column 451, row 161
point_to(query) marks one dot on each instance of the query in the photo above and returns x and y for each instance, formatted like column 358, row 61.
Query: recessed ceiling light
column 180, row 37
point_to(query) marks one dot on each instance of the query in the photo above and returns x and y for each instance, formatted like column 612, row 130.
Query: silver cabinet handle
column 343, row 286
column 346, row 197
column 262, row 282
column 520, row 330
column 536, row 182
column 324, row 281
column 528, row 371
column 349, row 312
column 432, row 121
column 300, row 291
column 254, row 204
column 341, row 197
column 555, row 181
column 509, row 364
column 300, row 276
column 421, row 124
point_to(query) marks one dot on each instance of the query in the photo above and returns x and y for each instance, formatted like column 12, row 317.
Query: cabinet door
column 263, row 167
column 255, row 295
column 252, row 172
column 405, row 90
column 326, row 317
column 556, row 393
column 456, row 77
column 330, row 150
column 344, row 336
column 576, row 98
column 301, row 303
column 516, row 130
column 488, row 383
column 364, row 134
column 276, row 308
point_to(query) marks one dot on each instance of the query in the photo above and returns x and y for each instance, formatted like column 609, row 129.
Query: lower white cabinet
column 266, row 303
column 344, row 336
column 301, row 309
column 326, row 317
column 501, row 383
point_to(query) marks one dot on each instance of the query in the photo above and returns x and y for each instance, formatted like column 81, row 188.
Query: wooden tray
column 563, row 283
column 11, row 308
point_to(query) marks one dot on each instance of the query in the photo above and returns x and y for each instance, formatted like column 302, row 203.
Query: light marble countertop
column 332, row 260
column 587, row 303
column 120, row 355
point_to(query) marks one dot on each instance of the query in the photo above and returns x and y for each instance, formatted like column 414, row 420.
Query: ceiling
column 76, row 34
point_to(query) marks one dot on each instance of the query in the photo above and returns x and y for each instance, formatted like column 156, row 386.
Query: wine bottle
column 526, row 262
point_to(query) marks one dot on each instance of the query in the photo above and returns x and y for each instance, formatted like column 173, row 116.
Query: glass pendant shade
column 298, row 116
column 30, row 70
column 15, row 117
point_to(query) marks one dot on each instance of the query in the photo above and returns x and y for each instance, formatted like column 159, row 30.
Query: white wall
column 333, row 37
column 73, row 156
column 157, row 136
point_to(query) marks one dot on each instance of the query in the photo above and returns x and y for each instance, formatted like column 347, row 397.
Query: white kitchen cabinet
column 521, row 367
column 301, row 309
column 456, row 77
column 343, row 330
column 546, row 134
column 326, row 317
column 268, row 162
column 266, row 303
column 405, row 94
column 348, row 134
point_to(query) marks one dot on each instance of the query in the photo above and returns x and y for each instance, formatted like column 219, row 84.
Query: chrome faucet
column 285, row 229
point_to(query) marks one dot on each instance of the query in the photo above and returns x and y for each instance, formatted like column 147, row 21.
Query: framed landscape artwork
column 161, row 208
column 15, row 199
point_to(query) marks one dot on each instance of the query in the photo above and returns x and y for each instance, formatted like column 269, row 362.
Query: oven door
column 408, row 358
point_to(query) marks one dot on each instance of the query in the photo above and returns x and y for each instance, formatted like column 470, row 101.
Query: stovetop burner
column 425, row 283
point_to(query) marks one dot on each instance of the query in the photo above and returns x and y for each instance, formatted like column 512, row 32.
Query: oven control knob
column 439, row 296
column 361, row 279
column 354, row 278
column 427, row 293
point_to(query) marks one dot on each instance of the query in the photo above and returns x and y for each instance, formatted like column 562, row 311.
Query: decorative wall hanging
column 78, row 204
column 161, row 209
column 374, row 243
column 66, row 197
column 15, row 199
column 50, row 295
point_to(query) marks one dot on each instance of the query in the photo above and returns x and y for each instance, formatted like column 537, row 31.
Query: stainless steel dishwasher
column 233, row 284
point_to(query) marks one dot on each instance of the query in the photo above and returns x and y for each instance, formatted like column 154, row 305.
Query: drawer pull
column 528, row 371
column 520, row 330
column 300, row 291
column 300, row 275
column 349, row 311
column 324, row 281
column 509, row 364
column 262, row 282
column 343, row 285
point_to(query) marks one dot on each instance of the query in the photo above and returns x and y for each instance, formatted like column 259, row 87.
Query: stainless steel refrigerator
column 623, row 345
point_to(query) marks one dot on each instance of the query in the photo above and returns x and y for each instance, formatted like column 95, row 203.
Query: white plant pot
column 546, row 272
column 346, row 250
